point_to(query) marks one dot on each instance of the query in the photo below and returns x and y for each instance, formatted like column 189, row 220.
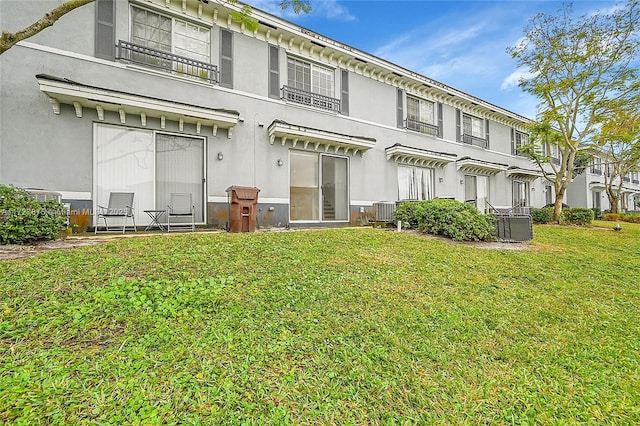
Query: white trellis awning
column 81, row 96
column 418, row 157
column 309, row 138
column 523, row 174
column 480, row 167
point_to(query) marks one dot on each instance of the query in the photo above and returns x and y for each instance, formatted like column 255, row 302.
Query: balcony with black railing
column 519, row 151
column 166, row 61
column 475, row 141
column 422, row 127
column 596, row 170
column 626, row 179
column 636, row 181
column 555, row 160
column 315, row 100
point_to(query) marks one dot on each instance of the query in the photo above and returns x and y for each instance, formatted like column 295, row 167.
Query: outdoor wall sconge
column 461, row 181
column 440, row 180
column 220, row 156
column 279, row 162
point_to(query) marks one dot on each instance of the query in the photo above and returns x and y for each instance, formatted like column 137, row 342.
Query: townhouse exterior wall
column 42, row 147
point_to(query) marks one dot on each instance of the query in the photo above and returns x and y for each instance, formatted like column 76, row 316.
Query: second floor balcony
column 166, row 61
column 422, row 127
column 596, row 170
column 626, row 179
column 315, row 100
column 474, row 140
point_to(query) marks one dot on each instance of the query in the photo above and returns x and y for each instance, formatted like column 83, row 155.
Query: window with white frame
column 421, row 116
column 548, row 194
column 473, row 126
column 167, row 34
column 520, row 139
column 520, row 194
column 415, row 183
column 596, row 166
column 309, row 77
column 596, row 199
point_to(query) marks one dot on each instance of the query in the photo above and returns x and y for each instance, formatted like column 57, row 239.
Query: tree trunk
column 614, row 204
column 557, row 206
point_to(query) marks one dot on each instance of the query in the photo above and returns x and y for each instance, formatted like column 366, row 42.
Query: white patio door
column 180, row 169
column 151, row 165
column 124, row 162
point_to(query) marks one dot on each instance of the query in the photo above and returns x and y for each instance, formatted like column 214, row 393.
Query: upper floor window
column 310, row 84
column 472, row 126
column 151, row 29
column 553, row 152
column 596, row 166
column 520, row 139
column 309, row 77
column 473, row 130
column 169, row 44
column 421, row 116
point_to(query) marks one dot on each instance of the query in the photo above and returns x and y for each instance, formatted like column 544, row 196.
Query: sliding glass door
column 150, row 164
column 318, row 187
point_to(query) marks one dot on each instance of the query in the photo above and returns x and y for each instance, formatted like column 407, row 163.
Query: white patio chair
column 120, row 206
column 181, row 206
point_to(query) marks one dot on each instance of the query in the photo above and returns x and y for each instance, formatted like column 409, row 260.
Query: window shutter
column 226, row 58
column 105, row 30
column 344, row 89
column 440, row 123
column 514, row 148
column 400, row 109
column 458, row 129
column 487, row 132
column 274, row 72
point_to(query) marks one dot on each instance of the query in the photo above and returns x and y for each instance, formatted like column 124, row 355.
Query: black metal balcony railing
column 419, row 126
column 519, row 152
column 474, row 140
column 627, row 179
column 635, row 181
column 166, row 61
column 312, row 99
column 596, row 170
column 555, row 160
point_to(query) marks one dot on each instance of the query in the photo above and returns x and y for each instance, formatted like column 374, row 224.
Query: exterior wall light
column 279, row 162
column 220, row 156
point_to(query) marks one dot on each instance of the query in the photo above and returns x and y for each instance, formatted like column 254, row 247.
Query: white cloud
column 514, row 78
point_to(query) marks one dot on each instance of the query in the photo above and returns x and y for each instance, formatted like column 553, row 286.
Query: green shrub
column 631, row 217
column 543, row 215
column 611, row 217
column 456, row 220
column 597, row 213
column 24, row 219
column 406, row 212
column 580, row 216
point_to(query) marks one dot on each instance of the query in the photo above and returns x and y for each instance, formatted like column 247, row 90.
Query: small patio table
column 155, row 216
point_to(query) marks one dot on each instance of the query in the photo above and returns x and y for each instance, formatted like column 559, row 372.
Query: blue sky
column 460, row 43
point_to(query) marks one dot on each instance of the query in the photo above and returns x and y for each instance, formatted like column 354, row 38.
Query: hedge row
column 577, row 215
column 624, row 217
column 449, row 218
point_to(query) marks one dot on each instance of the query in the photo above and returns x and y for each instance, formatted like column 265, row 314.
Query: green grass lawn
column 350, row 326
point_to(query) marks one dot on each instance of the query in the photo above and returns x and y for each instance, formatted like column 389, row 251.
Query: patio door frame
column 319, row 156
column 153, row 133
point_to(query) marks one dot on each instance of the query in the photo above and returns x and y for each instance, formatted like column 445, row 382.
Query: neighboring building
column 161, row 96
column 588, row 189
